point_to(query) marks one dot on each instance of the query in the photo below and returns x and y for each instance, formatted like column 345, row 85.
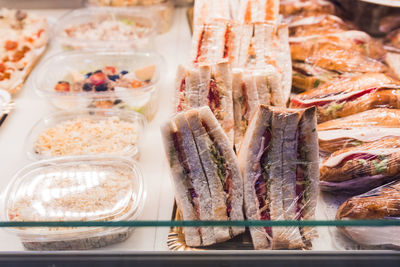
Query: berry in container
column 86, row 188
column 87, row 132
column 101, row 79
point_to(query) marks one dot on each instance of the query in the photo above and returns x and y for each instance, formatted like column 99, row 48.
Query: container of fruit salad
column 162, row 10
column 101, row 79
column 86, row 132
column 84, row 188
column 106, row 29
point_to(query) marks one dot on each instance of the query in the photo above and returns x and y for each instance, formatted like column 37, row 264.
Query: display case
column 145, row 224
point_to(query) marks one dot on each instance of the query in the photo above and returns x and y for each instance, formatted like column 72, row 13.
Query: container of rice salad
column 86, row 132
column 85, row 188
column 101, row 79
column 120, row 29
column 162, row 10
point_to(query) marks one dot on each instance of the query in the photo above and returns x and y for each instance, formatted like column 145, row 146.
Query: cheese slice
column 336, row 160
column 361, row 134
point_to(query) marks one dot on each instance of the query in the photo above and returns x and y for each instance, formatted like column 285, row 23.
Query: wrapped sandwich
column 207, row 85
column 279, row 163
column 206, row 176
column 358, row 169
column 380, row 203
column 361, row 128
column 344, row 97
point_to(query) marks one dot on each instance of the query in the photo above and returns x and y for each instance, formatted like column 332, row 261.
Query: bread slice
column 223, row 79
column 223, row 143
column 309, row 153
column 205, row 148
column 193, row 84
column 192, row 234
column 249, row 162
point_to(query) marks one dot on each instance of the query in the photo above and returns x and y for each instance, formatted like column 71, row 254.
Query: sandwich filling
column 200, row 44
column 228, row 40
column 224, row 173
column 262, row 183
column 214, row 100
column 182, row 94
column 245, row 108
column 334, row 101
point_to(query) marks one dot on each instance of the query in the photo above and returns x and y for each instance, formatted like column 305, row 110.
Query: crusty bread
column 237, row 94
column 192, row 236
column 218, row 198
column 249, row 163
column 221, row 140
column 198, row 178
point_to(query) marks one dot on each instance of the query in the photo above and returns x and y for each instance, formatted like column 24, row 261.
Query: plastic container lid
column 96, row 29
column 81, row 133
column 86, row 188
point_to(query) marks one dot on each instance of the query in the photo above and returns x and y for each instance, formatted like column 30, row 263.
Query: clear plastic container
column 143, row 99
column 86, row 188
column 162, row 10
column 96, row 29
column 67, row 134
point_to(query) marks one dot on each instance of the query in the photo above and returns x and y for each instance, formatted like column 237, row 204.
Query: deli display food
column 206, row 176
column 104, row 79
column 98, row 29
column 279, row 163
column 281, row 111
column 24, row 37
column 162, row 10
column 86, row 132
column 74, row 189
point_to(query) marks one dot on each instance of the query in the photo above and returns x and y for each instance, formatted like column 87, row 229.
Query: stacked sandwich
column 233, row 97
column 343, row 74
column 240, row 54
column 275, row 177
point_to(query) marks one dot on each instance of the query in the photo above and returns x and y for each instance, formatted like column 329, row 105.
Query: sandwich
column 300, row 26
column 349, row 40
column 206, row 176
column 355, row 130
column 259, row 10
column 378, row 204
column 208, row 42
column 207, row 85
column 305, row 8
column 344, row 97
column 265, row 45
column 217, row 40
column 278, row 159
column 250, row 89
column 360, row 168
column 332, row 56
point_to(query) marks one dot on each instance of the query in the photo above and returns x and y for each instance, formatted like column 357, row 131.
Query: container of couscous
column 86, row 132
column 85, row 188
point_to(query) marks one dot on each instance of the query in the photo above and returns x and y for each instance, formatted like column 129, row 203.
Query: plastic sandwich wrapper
column 381, row 203
column 285, row 196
